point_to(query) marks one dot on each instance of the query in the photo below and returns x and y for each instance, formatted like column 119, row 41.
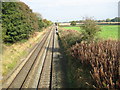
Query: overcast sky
column 67, row 10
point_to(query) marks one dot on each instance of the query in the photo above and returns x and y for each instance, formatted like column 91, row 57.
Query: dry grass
column 104, row 60
column 13, row 54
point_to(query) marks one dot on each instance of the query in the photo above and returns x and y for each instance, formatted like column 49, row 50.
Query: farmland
column 108, row 31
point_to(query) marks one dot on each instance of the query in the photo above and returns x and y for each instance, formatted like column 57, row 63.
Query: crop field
column 108, row 31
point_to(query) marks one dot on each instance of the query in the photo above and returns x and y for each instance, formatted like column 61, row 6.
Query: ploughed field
column 108, row 31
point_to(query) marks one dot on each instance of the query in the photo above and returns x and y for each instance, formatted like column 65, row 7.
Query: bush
column 41, row 24
column 73, row 23
column 46, row 23
column 70, row 37
column 89, row 30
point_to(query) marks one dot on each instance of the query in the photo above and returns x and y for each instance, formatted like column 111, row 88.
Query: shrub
column 41, row 24
column 73, row 23
column 89, row 30
column 70, row 37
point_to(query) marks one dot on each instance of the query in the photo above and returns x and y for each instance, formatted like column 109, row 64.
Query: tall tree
column 18, row 21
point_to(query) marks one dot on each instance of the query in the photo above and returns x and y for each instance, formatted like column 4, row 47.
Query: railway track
column 36, row 72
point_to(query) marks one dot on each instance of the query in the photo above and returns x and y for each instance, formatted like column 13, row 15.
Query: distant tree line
column 19, row 22
column 116, row 19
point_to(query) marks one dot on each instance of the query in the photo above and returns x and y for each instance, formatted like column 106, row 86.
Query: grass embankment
column 91, row 60
column 13, row 54
column 108, row 31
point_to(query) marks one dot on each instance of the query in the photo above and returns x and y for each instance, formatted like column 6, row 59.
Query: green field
column 108, row 31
